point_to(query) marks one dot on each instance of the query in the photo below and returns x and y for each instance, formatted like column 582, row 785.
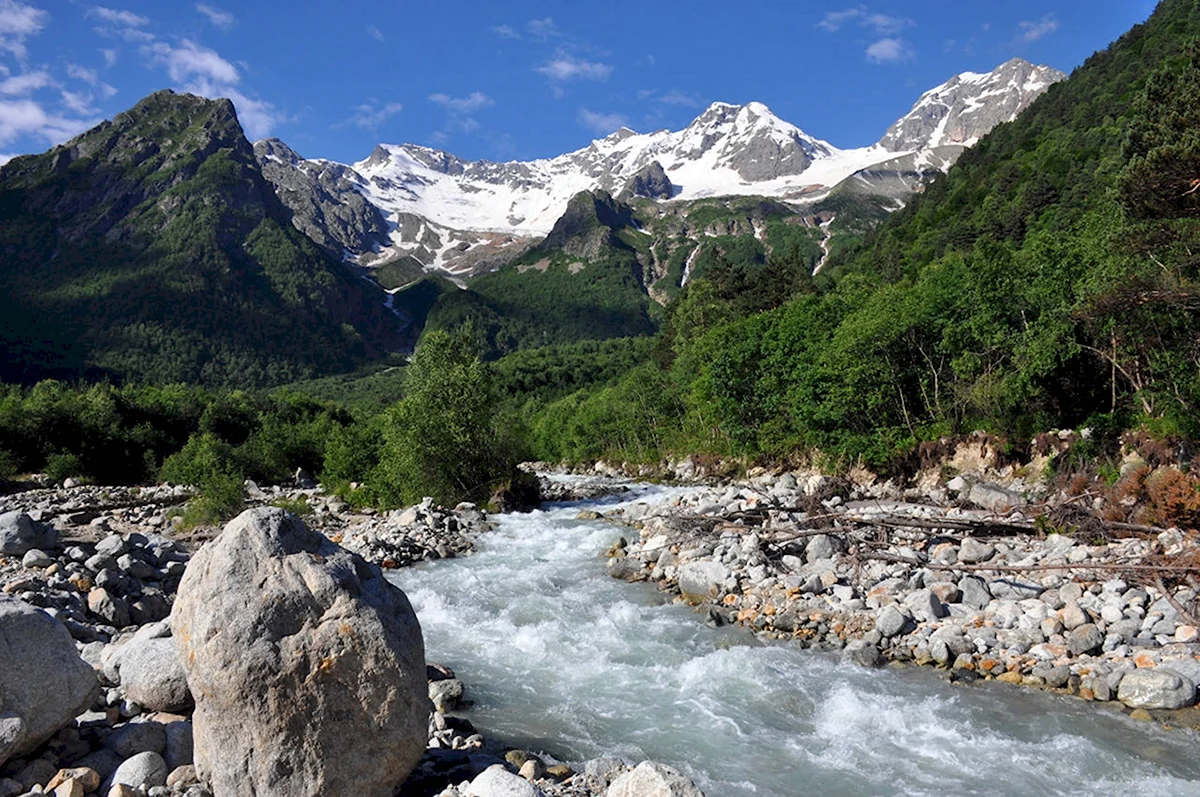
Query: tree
column 439, row 439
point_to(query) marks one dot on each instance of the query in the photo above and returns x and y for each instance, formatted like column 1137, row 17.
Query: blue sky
column 515, row 80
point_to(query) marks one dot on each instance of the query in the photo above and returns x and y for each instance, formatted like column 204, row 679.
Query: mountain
column 467, row 217
column 151, row 247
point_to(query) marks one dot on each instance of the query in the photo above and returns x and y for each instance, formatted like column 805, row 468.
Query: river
column 559, row 657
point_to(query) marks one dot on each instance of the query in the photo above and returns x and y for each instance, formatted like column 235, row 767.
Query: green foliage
column 207, row 463
column 439, row 439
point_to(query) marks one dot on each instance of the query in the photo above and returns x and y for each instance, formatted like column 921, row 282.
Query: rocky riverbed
column 984, row 593
column 94, row 698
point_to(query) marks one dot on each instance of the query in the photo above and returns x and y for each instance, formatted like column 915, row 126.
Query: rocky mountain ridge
column 462, row 217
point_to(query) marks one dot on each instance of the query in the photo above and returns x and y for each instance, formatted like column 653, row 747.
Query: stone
column 86, row 777
column 606, row 769
column 702, row 580
column 123, row 790
column 182, row 776
column 19, row 533
column 532, row 769
column 180, row 750
column 972, row 551
column 37, row 772
column 891, row 622
column 36, row 559
column 1156, row 688
column 925, row 606
column 496, row 781
column 153, row 675
column 974, row 592
column 142, row 771
column 1087, row 638
column 651, row 779
column 306, row 665
column 137, row 737
column 108, row 607
column 44, row 684
column 819, row 547
column 445, row 694
column 994, row 497
column 1072, row 616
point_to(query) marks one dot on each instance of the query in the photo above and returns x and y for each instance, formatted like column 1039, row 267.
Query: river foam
column 559, row 657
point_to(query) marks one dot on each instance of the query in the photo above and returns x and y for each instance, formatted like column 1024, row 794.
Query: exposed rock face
column 326, row 206
column 963, row 109
column 589, row 225
column 650, row 181
column 307, row 667
column 43, row 682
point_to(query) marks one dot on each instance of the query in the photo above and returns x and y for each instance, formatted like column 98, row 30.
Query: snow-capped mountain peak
column 963, row 109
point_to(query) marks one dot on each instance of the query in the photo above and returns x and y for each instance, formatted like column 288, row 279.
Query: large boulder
column 307, row 667
column 19, row 533
column 651, row 779
column 44, row 684
column 153, row 676
column 702, row 580
column 1156, row 688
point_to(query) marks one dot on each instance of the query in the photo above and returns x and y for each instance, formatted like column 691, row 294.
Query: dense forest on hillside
column 1046, row 281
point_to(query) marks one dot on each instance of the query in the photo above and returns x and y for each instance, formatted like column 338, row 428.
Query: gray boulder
column 702, row 580
column 153, row 676
column 651, row 779
column 1156, row 688
column 496, row 781
column 307, row 667
column 142, row 771
column 44, row 684
column 19, row 533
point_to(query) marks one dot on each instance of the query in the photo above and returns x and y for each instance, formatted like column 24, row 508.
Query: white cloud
column 680, row 98
column 79, row 102
column 17, row 23
column 889, row 51
column 505, row 32
column 375, row 33
column 221, row 19
column 22, row 85
column 78, row 72
column 542, row 29
column 1032, row 31
column 258, row 117
column 110, row 56
column 834, row 20
column 192, row 61
column 565, row 67
column 126, row 19
column 371, row 114
column 24, row 117
column 469, row 104
column 881, row 24
column 603, row 123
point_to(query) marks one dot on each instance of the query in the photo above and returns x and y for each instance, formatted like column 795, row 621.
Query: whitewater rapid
column 559, row 657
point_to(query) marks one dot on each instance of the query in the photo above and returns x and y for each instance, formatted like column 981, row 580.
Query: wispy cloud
column 218, row 17
column 506, row 32
column 889, row 51
column 26, row 84
column 564, row 67
column 25, row 117
column 1032, row 31
column 461, row 110
column 372, row 113
column 542, row 29
column 469, row 104
column 375, row 33
column 681, row 99
column 17, row 23
column 118, row 23
column 110, row 56
column 602, row 123
column 118, row 17
column 78, row 72
column 190, row 60
column 881, row 24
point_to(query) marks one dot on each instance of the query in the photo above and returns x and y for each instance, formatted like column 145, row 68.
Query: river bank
column 106, row 564
column 968, row 577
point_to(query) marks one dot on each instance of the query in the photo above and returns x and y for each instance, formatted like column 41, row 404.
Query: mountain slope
column 151, row 247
